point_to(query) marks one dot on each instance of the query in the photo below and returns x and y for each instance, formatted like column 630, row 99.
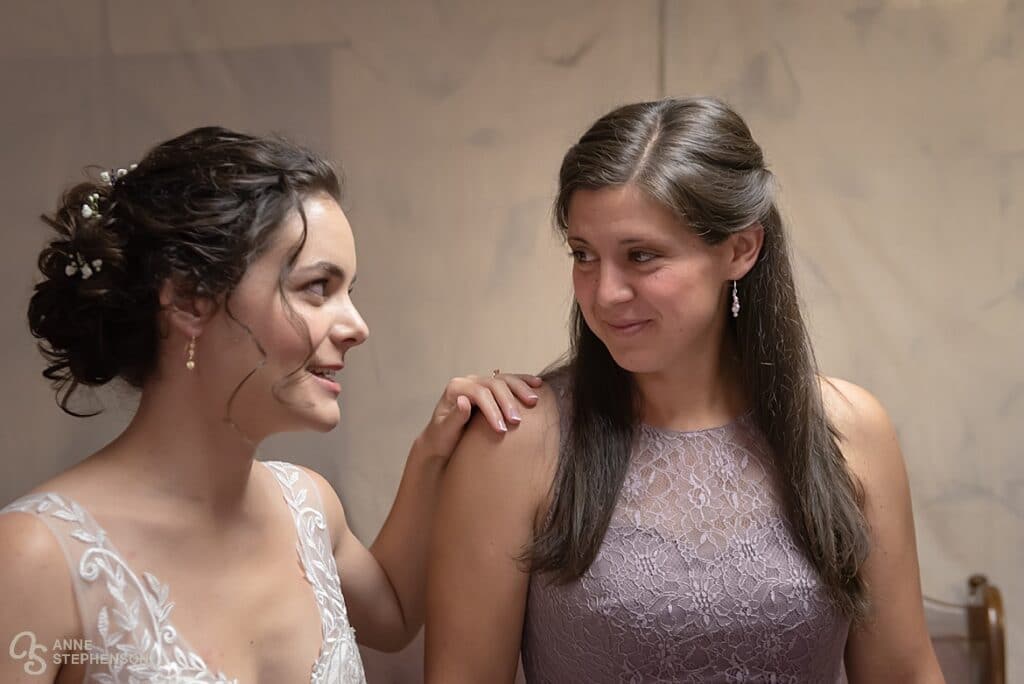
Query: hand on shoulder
column 492, row 496
column 526, row 455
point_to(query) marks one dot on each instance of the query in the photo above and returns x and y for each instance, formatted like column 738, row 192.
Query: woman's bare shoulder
column 868, row 437
column 855, row 411
column 37, row 591
column 519, row 464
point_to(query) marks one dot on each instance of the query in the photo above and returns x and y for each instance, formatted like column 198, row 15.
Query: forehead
column 618, row 213
column 328, row 234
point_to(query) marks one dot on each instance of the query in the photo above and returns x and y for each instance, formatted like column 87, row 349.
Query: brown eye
column 579, row 256
column 642, row 257
column 318, row 287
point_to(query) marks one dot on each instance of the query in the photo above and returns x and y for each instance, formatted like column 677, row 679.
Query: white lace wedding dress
column 126, row 616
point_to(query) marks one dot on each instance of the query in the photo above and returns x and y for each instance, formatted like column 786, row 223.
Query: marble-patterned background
column 893, row 125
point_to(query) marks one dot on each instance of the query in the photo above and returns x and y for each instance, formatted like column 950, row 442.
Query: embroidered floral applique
column 138, row 644
column 339, row 659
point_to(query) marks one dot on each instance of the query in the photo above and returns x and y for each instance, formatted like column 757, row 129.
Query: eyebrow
column 329, row 268
column 627, row 241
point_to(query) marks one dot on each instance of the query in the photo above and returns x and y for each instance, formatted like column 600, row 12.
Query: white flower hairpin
column 90, row 210
column 83, row 267
column 109, row 177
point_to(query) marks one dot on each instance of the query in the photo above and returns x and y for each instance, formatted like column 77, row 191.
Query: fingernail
column 501, row 424
column 514, row 418
column 532, row 397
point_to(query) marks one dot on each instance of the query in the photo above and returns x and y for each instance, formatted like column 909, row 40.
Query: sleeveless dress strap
column 339, row 659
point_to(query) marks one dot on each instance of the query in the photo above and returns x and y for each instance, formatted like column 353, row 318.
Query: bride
column 215, row 277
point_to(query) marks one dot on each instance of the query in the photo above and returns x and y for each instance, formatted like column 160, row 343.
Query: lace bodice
column 698, row 579
column 126, row 616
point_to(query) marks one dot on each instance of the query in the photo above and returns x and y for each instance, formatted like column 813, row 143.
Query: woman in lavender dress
column 700, row 505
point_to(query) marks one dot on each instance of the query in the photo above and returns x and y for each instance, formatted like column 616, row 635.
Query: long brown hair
column 697, row 157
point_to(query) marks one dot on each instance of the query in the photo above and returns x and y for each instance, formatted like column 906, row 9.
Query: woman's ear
column 745, row 246
column 185, row 313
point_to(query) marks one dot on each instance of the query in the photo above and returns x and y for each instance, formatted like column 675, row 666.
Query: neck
column 177, row 449
column 702, row 389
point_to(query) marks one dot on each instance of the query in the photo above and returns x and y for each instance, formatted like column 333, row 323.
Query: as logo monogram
column 35, row 663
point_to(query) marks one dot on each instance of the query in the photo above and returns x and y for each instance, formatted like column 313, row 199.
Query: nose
column 350, row 330
column 613, row 286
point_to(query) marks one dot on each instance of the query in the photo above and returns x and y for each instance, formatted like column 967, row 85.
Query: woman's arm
column 892, row 645
column 384, row 585
column 494, row 494
column 37, row 603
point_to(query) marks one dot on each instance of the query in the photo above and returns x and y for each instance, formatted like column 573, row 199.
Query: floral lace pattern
column 135, row 641
column 339, row 660
column 698, row 579
column 127, row 618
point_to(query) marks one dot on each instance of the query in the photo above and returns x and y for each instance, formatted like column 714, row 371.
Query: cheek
column 584, row 291
column 283, row 333
column 681, row 293
column 669, row 286
column 583, row 285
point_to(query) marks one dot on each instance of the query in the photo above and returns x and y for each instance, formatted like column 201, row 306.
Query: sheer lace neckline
column 736, row 421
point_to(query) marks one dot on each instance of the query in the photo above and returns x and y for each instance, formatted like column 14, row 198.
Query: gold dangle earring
column 190, row 358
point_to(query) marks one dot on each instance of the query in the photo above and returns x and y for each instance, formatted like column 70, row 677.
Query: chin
column 324, row 421
column 637, row 361
column 311, row 419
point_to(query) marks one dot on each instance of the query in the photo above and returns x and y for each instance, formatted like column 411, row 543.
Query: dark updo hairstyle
column 198, row 209
column 697, row 158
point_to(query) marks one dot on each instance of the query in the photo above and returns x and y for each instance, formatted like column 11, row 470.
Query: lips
column 324, row 376
column 328, row 369
column 627, row 327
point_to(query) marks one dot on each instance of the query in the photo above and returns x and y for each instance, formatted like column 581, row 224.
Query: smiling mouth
column 629, row 328
column 325, row 377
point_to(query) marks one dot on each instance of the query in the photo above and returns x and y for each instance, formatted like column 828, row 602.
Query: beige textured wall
column 892, row 125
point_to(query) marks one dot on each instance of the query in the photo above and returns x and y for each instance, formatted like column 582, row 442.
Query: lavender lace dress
column 698, row 579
